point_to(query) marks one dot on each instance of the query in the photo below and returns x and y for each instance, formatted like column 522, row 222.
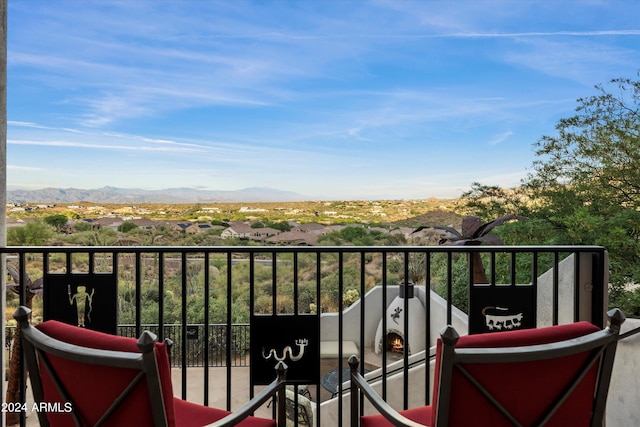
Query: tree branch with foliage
column 595, row 155
column 586, row 179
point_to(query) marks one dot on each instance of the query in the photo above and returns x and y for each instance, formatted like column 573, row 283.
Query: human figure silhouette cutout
column 81, row 298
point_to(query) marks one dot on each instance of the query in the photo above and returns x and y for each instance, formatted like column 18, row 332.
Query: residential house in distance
column 338, row 227
column 184, row 226
column 246, row 209
column 263, row 233
column 311, row 227
column 242, row 230
column 210, row 209
column 300, row 235
column 111, row 222
column 238, row 230
column 145, row 223
column 205, row 226
column 294, row 238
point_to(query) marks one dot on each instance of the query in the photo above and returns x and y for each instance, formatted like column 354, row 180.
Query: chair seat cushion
column 536, row 378
column 107, row 376
column 421, row 414
column 193, row 415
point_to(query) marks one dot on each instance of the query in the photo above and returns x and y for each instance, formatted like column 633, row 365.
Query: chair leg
column 281, row 369
column 355, row 395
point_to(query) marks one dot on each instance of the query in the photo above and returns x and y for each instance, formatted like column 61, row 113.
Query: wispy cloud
column 536, row 34
column 500, row 138
column 586, row 62
column 22, row 168
column 99, row 146
column 25, row 124
column 127, row 141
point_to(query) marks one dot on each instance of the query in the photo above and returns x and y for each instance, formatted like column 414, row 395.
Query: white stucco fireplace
column 395, row 317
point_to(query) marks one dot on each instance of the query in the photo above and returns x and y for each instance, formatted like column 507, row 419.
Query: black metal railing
column 211, row 292
column 199, row 342
column 211, row 342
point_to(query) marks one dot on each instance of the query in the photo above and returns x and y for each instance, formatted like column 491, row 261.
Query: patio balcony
column 226, row 308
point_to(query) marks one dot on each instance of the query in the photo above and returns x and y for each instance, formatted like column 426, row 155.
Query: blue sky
column 333, row 99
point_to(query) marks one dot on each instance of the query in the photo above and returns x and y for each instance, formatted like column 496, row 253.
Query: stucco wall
column 623, row 405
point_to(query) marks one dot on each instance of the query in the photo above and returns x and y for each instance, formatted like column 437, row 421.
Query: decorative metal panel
column 494, row 308
column 85, row 300
column 292, row 339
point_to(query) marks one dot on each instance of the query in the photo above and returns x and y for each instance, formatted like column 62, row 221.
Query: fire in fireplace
column 395, row 343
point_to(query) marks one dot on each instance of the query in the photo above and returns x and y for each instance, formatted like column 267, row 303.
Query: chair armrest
column 359, row 384
column 277, row 387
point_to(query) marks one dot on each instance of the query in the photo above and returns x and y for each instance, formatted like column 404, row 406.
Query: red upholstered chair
column 551, row 376
column 89, row 378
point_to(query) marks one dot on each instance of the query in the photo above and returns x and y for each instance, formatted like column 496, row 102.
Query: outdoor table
column 331, row 379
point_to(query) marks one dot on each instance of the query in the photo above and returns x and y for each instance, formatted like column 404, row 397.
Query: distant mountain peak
column 109, row 194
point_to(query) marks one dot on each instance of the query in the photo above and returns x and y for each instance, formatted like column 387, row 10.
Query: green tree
column 127, row 226
column 81, row 226
column 56, row 221
column 586, row 178
column 594, row 158
column 32, row 234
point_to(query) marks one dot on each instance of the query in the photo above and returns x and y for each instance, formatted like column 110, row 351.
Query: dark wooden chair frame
column 602, row 344
column 38, row 345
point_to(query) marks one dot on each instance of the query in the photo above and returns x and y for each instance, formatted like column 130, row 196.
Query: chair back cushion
column 525, row 389
column 93, row 388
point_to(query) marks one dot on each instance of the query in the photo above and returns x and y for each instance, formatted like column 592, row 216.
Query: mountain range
column 169, row 195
